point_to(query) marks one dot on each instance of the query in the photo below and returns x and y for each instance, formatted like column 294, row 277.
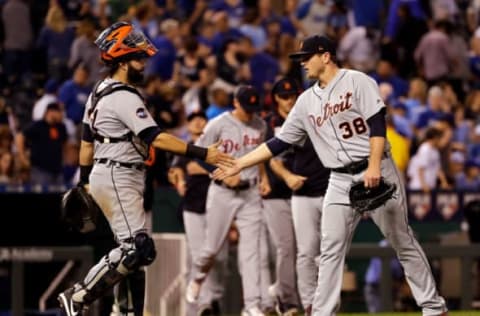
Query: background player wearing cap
column 235, row 198
column 192, row 181
column 306, row 176
column 343, row 115
column 277, row 208
column 117, row 130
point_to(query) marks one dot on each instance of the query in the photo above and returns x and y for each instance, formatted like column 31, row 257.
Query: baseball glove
column 367, row 199
column 79, row 210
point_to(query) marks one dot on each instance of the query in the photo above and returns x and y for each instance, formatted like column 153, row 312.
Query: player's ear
column 326, row 57
column 123, row 65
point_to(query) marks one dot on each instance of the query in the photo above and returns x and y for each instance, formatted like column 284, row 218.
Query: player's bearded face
column 135, row 72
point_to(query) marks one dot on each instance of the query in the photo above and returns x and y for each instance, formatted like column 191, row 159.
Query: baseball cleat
column 68, row 306
column 286, row 310
column 193, row 290
column 282, row 309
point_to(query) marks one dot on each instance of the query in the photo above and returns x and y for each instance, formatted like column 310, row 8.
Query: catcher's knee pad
column 142, row 254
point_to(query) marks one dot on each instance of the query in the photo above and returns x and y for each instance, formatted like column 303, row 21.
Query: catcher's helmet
column 122, row 42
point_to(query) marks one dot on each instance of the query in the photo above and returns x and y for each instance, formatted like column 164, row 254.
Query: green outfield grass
column 467, row 313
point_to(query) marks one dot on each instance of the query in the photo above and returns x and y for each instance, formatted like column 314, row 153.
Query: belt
column 356, row 166
column 129, row 165
column 241, row 186
column 353, row 168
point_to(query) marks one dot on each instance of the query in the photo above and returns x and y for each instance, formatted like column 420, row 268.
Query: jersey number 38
column 357, row 126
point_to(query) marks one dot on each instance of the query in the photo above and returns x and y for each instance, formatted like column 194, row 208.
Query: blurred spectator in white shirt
column 425, row 167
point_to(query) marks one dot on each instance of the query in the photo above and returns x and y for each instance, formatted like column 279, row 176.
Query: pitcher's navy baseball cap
column 314, row 45
column 249, row 98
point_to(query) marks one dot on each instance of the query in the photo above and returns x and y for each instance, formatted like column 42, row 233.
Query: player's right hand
column 222, row 171
column 217, row 158
column 295, row 181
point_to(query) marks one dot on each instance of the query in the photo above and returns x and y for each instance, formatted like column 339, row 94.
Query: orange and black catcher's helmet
column 121, row 42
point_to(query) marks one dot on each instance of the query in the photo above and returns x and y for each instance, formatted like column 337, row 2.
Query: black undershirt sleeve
column 148, row 135
column 87, row 133
column 277, row 146
column 377, row 124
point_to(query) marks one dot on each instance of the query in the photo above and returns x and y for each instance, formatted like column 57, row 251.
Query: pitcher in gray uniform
column 235, row 198
column 344, row 117
column 117, row 130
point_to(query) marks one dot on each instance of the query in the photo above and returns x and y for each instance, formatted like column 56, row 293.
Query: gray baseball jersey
column 238, row 138
column 114, row 116
column 335, row 118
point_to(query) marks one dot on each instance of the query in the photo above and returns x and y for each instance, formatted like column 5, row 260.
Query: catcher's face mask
column 122, row 41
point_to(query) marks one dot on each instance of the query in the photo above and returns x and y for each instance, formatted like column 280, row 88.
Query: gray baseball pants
column 119, row 193
column 338, row 224
column 307, row 215
column 223, row 206
column 278, row 214
column 213, row 287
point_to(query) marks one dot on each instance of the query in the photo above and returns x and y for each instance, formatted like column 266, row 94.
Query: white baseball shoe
column 252, row 311
column 193, row 290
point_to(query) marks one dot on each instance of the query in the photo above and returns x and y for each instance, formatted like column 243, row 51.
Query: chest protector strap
column 95, row 98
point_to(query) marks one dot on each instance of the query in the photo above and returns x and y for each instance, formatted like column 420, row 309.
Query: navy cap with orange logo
column 314, row 45
column 285, row 87
column 249, row 98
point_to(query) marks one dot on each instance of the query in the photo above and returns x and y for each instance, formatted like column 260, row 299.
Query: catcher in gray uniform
column 117, row 131
column 344, row 117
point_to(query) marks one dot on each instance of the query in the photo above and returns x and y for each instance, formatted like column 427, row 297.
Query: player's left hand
column 372, row 177
column 217, row 158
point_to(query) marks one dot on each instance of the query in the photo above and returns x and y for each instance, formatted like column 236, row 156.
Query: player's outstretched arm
column 259, row 154
column 210, row 155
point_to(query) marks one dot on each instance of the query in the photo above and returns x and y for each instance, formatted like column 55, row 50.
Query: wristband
column 85, row 173
column 196, row 152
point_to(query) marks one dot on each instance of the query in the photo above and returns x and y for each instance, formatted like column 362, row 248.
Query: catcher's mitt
column 367, row 199
column 79, row 210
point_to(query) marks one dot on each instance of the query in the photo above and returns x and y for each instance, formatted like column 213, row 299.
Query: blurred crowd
column 424, row 54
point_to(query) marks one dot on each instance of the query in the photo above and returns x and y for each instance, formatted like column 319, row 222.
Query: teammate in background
column 236, row 198
column 277, row 207
column 192, row 181
column 308, row 179
column 344, row 116
column 117, row 130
